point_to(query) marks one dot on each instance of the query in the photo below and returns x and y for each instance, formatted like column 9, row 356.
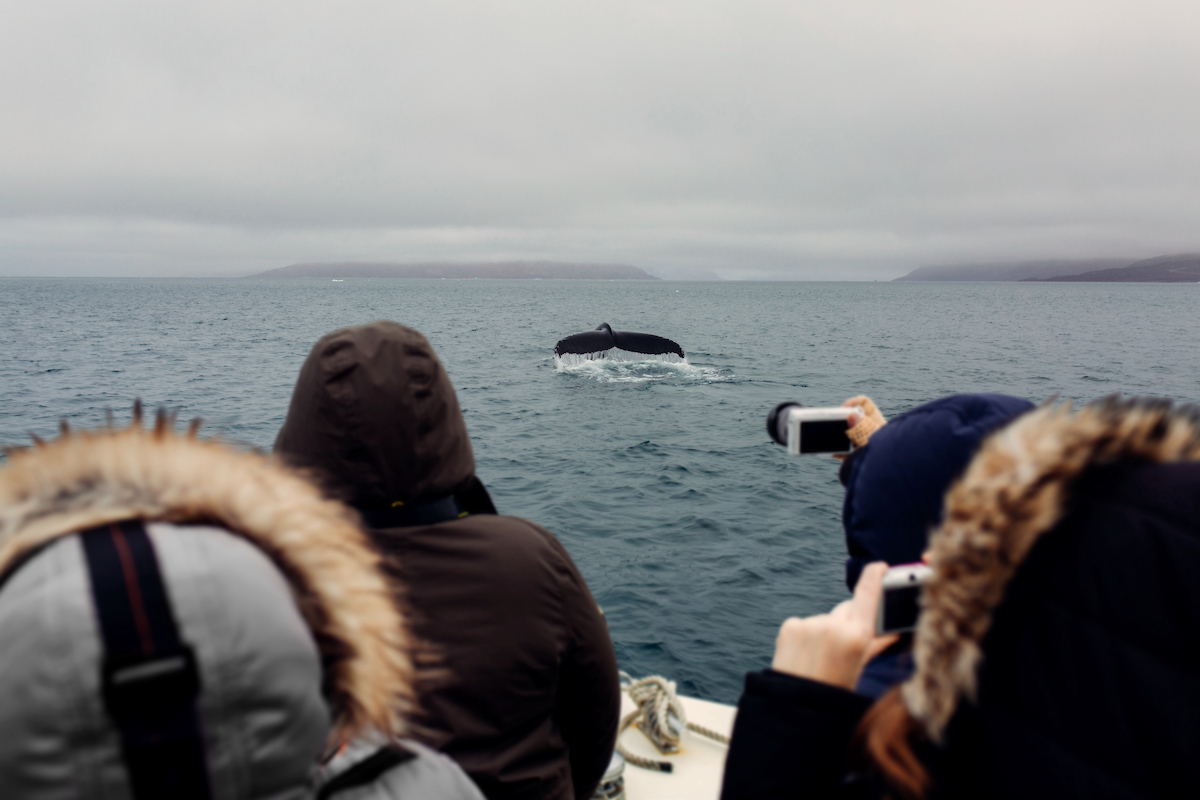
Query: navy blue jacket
column 895, row 485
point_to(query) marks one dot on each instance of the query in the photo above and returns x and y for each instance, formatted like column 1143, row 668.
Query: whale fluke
column 605, row 338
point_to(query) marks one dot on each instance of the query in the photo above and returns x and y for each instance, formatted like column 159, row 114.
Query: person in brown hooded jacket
column 529, row 699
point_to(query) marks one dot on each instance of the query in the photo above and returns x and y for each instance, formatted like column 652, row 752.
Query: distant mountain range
column 1183, row 268
column 1014, row 270
column 462, row 271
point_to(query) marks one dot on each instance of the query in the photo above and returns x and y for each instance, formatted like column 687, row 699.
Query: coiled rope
column 659, row 715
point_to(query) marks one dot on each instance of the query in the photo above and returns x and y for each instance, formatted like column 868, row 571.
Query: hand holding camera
column 810, row 431
column 835, row 431
column 833, row 648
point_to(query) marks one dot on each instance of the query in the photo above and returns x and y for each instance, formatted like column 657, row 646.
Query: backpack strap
column 366, row 771
column 149, row 675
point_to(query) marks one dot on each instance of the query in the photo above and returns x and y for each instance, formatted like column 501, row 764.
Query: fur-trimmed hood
column 1017, row 488
column 86, row 479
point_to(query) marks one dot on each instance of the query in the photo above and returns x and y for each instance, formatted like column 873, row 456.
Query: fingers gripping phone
column 899, row 606
column 809, row 431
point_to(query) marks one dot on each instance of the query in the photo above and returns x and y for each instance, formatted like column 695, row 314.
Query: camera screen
column 900, row 608
column 825, row 436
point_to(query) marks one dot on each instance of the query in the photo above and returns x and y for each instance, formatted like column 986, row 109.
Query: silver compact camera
column 810, row 431
column 900, row 605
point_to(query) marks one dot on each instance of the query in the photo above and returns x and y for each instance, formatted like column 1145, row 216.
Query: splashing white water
column 620, row 366
column 618, row 356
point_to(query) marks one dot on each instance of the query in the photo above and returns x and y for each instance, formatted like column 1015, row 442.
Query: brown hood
column 92, row 478
column 375, row 418
column 1016, row 489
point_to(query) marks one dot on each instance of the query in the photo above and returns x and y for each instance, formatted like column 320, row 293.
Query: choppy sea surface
column 697, row 534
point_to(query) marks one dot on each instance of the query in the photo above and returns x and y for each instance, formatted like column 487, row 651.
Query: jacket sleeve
column 589, row 691
column 791, row 738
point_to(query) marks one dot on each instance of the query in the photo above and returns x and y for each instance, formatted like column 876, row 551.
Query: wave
column 620, row 366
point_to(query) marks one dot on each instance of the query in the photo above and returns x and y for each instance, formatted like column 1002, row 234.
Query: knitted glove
column 870, row 421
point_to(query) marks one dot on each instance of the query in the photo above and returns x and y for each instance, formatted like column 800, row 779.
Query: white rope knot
column 657, row 703
column 659, row 715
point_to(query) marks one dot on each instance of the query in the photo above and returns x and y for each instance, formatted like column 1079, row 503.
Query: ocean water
column 697, row 534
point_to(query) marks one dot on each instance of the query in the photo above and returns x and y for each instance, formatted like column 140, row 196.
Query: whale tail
column 605, row 338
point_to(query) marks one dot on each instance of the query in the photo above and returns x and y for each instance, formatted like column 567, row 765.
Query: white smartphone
column 899, row 607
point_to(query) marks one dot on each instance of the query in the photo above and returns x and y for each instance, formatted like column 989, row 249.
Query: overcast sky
column 836, row 139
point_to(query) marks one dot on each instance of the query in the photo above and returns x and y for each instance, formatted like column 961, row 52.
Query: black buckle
column 150, row 686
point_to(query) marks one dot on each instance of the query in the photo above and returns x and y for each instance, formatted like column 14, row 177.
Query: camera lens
column 777, row 423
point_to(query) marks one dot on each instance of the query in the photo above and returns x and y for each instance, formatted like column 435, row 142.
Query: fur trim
column 1015, row 489
column 86, row 479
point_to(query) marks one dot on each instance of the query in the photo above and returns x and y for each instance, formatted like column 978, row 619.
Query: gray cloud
column 849, row 139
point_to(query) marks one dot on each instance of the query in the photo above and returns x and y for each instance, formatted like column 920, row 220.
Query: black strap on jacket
column 149, row 676
column 444, row 509
column 366, row 771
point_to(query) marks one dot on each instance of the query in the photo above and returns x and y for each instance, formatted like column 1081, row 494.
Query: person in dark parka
column 529, row 699
column 1056, row 649
column 895, row 481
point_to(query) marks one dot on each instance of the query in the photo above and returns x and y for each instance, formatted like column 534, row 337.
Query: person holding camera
column 895, row 479
column 1055, row 649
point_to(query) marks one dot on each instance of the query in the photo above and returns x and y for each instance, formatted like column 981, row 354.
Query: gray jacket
column 413, row 770
column 296, row 642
